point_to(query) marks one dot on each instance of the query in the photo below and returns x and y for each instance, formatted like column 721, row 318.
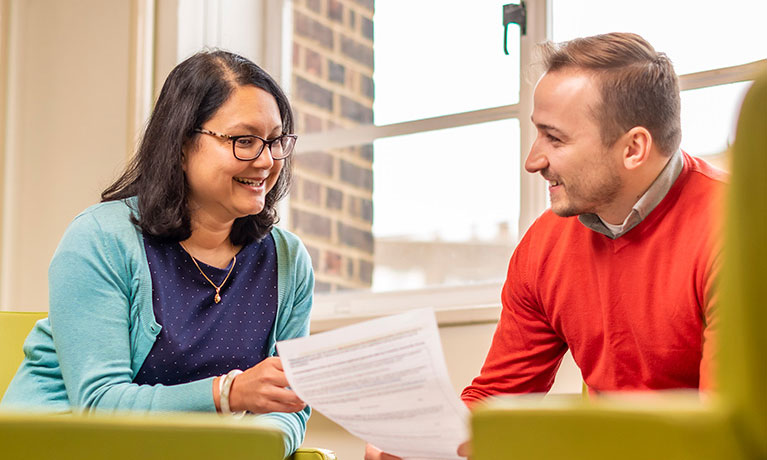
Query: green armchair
column 128, row 437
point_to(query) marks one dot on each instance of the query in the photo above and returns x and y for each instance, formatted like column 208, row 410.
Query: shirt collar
column 646, row 203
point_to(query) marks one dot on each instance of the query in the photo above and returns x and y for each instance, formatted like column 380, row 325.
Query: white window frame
column 479, row 302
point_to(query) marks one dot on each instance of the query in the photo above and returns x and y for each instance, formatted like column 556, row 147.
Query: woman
column 159, row 294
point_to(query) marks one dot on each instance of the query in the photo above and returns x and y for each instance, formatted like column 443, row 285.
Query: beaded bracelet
column 224, row 388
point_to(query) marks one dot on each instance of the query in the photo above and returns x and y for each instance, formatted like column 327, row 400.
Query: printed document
column 384, row 381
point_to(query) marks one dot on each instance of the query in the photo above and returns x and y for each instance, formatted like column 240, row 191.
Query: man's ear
column 637, row 145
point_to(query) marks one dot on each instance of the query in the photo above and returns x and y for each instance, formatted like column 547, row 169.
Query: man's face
column 583, row 175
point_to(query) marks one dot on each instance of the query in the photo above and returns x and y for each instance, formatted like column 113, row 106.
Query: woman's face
column 221, row 187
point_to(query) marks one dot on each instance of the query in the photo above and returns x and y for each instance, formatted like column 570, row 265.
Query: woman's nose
column 265, row 160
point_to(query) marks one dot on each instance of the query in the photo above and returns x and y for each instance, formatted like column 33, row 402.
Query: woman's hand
column 262, row 389
column 374, row 453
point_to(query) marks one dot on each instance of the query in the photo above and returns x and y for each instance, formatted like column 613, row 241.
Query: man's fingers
column 374, row 453
column 464, row 450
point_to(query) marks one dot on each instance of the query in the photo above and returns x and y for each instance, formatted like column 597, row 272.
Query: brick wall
column 331, row 203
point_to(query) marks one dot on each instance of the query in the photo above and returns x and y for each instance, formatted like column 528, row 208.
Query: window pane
column 697, row 35
column 709, row 116
column 436, row 58
column 446, row 206
column 436, row 208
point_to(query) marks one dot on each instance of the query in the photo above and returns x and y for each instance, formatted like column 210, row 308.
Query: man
column 627, row 285
column 621, row 269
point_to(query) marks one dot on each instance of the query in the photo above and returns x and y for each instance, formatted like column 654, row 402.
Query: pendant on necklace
column 217, row 298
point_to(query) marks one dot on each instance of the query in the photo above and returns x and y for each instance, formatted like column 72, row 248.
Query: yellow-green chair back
column 731, row 424
column 14, row 328
column 168, row 436
column 743, row 339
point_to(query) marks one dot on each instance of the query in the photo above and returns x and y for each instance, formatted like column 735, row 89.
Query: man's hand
column 464, row 450
column 374, row 453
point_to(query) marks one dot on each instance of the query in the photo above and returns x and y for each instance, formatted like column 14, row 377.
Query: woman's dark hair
column 191, row 95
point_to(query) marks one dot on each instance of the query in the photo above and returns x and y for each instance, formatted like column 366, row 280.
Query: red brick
column 356, row 176
column 296, row 55
column 366, row 152
column 314, row 255
column 312, row 124
column 336, row 72
column 369, row 4
column 361, row 208
column 366, row 271
column 359, row 52
column 333, row 263
column 319, row 162
column 311, row 192
column 321, row 286
column 336, row 11
column 313, row 63
column 314, row 5
column 314, row 94
column 309, row 223
column 355, row 238
column 334, row 199
column 355, row 111
column 350, row 268
column 312, row 29
column 367, row 87
column 367, row 28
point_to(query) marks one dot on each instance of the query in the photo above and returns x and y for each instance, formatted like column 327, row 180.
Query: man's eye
column 552, row 138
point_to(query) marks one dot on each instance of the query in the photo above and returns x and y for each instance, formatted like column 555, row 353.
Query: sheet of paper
column 384, row 381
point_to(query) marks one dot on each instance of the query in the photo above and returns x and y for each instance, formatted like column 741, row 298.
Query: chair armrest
column 604, row 431
column 313, row 453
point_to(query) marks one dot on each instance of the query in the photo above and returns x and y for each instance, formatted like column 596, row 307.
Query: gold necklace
column 217, row 298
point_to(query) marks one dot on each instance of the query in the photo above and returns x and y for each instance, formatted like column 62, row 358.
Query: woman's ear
column 184, row 157
column 637, row 145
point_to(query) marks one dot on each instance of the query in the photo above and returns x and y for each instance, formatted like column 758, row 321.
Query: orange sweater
column 636, row 312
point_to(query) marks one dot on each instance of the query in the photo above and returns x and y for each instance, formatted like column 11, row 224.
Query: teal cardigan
column 101, row 327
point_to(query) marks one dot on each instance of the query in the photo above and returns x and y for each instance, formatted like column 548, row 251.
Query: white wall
column 77, row 81
column 66, row 118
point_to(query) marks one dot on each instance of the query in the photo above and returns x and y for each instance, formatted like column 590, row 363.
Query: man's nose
column 536, row 160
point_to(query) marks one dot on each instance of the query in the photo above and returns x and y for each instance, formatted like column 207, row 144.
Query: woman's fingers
column 262, row 388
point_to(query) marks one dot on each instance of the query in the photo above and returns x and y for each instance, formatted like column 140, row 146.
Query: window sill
column 453, row 306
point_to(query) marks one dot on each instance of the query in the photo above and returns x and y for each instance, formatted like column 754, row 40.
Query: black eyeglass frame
column 264, row 143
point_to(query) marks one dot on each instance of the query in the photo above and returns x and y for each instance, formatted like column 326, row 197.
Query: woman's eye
column 244, row 142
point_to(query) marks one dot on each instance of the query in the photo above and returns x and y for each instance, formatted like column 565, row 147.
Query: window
column 414, row 123
column 409, row 161
column 702, row 38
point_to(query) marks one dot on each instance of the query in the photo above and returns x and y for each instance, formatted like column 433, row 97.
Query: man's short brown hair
column 638, row 85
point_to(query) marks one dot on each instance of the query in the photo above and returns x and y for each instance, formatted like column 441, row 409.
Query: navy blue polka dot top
column 201, row 338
